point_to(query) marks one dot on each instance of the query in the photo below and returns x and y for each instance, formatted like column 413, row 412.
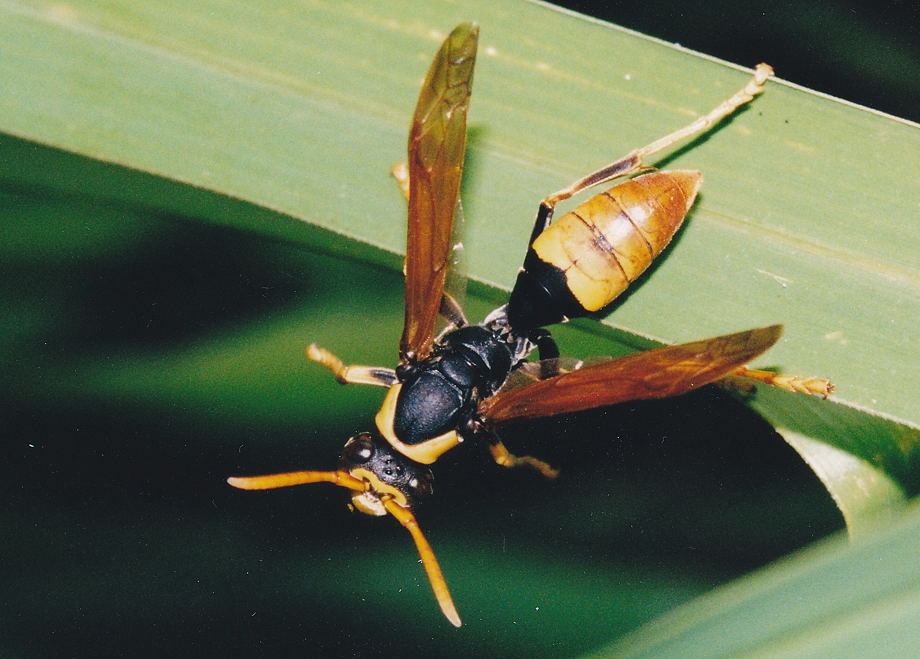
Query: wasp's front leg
column 400, row 171
column 376, row 375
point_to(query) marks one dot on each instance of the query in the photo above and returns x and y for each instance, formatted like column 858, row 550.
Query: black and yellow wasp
column 450, row 387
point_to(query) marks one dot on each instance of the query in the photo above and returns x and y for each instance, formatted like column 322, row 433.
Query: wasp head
column 387, row 473
column 382, row 481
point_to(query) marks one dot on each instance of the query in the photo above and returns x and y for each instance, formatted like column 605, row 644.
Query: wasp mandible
column 451, row 387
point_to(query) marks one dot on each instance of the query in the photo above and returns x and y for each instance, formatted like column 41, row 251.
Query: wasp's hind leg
column 633, row 161
column 376, row 375
column 549, row 352
column 505, row 458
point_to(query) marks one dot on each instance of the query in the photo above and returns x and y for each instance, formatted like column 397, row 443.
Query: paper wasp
column 452, row 386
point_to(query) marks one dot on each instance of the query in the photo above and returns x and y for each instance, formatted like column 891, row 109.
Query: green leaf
column 803, row 606
column 283, row 120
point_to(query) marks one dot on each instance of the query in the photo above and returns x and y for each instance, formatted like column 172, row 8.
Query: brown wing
column 436, row 144
column 659, row 373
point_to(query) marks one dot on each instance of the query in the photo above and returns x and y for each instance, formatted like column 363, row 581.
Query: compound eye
column 358, row 449
column 420, row 486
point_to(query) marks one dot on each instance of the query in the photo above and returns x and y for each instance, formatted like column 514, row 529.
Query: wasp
column 455, row 386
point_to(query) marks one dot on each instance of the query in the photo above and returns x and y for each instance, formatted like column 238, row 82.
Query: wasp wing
column 659, row 373
column 530, row 372
column 437, row 141
column 454, row 296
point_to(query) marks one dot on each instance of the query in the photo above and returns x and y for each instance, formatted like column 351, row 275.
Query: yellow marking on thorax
column 424, row 452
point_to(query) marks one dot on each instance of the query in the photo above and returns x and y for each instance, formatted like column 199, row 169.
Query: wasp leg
column 400, row 171
column 632, row 162
column 798, row 384
column 549, row 352
column 505, row 458
column 452, row 311
column 544, row 216
column 376, row 375
column 545, row 342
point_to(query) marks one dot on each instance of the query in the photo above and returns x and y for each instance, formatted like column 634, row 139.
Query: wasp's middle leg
column 505, row 458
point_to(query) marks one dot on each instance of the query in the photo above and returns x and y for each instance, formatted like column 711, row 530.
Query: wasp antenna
column 271, row 481
column 405, row 517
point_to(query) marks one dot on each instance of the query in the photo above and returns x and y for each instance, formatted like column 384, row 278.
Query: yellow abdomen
column 604, row 244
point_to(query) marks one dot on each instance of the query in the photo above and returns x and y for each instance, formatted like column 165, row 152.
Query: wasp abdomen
column 590, row 255
column 607, row 242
